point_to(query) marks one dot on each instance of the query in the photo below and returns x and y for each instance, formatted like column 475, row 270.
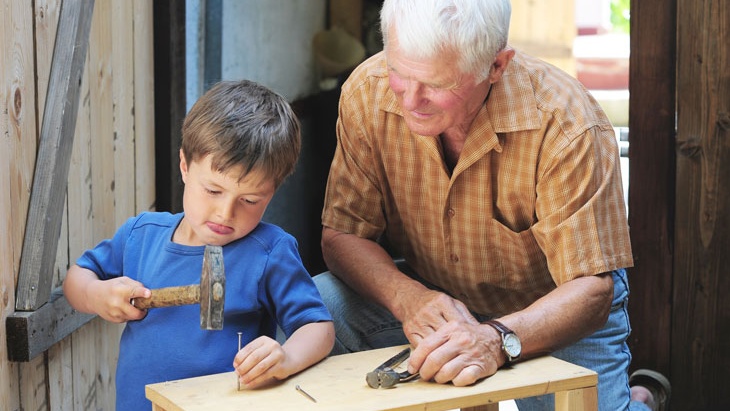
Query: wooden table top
column 338, row 383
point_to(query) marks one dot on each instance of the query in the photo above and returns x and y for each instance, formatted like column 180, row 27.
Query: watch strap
column 503, row 330
column 499, row 327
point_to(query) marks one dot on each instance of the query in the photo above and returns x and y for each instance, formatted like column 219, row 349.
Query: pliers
column 385, row 375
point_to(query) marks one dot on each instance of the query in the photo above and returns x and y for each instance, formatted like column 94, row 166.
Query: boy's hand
column 111, row 299
column 260, row 362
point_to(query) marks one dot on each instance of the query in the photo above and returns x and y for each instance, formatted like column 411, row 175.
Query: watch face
column 512, row 345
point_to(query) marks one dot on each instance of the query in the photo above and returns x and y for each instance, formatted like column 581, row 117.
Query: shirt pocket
column 522, row 263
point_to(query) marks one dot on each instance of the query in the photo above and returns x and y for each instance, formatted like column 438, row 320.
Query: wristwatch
column 511, row 345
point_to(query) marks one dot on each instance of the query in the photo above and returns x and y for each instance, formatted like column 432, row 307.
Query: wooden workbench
column 338, row 383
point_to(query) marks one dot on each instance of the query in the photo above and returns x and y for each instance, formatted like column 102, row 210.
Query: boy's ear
column 183, row 166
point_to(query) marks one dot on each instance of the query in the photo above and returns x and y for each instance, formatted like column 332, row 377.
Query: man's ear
column 183, row 166
column 500, row 64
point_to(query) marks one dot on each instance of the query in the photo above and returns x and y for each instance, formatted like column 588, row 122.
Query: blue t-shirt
column 266, row 285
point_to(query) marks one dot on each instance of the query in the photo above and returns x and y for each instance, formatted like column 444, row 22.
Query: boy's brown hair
column 242, row 123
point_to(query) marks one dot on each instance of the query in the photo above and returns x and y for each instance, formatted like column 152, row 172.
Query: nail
column 298, row 388
column 239, row 349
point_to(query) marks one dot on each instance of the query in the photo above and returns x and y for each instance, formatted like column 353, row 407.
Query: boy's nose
column 227, row 210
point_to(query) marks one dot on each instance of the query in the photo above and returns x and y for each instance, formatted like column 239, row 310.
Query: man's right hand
column 424, row 312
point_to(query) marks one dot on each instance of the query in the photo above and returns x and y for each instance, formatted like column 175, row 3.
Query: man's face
column 218, row 208
column 432, row 93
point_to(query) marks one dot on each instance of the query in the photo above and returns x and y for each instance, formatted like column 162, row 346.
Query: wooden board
column 338, row 383
column 52, row 164
column 700, row 324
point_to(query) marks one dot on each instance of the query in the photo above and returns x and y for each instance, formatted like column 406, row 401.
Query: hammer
column 210, row 293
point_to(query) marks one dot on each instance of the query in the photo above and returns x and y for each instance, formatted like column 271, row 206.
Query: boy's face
column 218, row 208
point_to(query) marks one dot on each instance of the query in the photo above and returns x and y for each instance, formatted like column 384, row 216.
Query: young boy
column 240, row 141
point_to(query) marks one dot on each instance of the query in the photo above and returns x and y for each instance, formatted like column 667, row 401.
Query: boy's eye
column 209, row 191
column 249, row 201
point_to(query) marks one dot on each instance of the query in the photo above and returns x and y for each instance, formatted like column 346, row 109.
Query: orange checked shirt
column 535, row 200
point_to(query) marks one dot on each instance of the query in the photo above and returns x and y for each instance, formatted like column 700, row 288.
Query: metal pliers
column 385, row 375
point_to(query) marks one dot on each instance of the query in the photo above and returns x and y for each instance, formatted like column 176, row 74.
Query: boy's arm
column 309, row 344
column 264, row 360
column 109, row 299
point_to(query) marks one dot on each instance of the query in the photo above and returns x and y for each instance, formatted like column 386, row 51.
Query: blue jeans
column 362, row 325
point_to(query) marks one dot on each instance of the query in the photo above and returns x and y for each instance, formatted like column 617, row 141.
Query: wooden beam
column 45, row 214
column 652, row 167
column 30, row 333
column 701, row 310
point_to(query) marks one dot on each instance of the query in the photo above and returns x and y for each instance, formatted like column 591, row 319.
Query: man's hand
column 450, row 344
column 458, row 352
column 426, row 311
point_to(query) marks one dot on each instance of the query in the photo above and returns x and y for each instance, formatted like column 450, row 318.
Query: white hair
column 476, row 29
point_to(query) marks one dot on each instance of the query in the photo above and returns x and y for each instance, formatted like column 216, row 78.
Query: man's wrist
column 511, row 346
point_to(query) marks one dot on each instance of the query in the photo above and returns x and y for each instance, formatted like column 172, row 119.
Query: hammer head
column 212, row 288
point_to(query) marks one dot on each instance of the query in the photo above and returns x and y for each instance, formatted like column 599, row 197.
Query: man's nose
column 412, row 95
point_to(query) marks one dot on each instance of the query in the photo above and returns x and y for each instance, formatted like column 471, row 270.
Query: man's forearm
column 572, row 311
column 367, row 268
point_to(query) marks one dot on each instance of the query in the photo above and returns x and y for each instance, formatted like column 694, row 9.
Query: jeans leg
column 605, row 352
column 360, row 324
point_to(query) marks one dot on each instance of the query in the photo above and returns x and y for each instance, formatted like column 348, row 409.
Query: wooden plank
column 30, row 333
column 651, row 180
column 122, row 62
column 701, row 312
column 85, row 361
column 60, row 376
column 47, row 195
column 33, row 375
column 338, row 383
column 22, row 136
column 101, row 115
column 144, row 104
column 583, row 399
column 80, row 216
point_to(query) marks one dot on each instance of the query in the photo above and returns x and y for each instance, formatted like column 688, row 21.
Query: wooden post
column 651, row 179
column 701, row 313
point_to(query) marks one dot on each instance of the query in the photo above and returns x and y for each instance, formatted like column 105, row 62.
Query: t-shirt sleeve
column 288, row 290
column 106, row 258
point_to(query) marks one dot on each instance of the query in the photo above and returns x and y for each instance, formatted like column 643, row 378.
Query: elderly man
column 496, row 178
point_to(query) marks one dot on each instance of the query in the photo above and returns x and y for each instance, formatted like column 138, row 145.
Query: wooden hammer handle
column 170, row 296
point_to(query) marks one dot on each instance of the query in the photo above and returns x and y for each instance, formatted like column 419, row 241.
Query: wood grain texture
column 18, row 144
column 701, row 314
column 56, row 139
column 72, row 367
column 652, row 180
column 338, row 383
column 144, row 107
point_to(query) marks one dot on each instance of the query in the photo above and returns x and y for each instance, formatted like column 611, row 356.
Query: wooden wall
column 679, row 198
column 111, row 177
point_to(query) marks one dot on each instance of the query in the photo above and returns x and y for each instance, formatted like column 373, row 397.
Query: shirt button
column 454, row 258
column 451, row 212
